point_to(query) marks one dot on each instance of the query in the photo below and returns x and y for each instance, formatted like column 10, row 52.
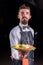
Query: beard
column 24, row 22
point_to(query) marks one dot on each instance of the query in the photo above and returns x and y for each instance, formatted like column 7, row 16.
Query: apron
column 27, row 38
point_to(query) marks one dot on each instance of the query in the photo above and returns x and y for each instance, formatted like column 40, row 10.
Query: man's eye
column 27, row 12
column 22, row 12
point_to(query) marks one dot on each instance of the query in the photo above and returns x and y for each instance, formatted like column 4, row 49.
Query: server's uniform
column 24, row 35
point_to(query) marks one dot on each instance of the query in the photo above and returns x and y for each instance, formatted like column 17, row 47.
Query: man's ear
column 18, row 16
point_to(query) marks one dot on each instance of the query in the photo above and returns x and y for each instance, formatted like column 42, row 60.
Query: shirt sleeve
column 13, row 41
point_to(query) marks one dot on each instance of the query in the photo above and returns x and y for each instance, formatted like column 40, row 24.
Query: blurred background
column 8, row 20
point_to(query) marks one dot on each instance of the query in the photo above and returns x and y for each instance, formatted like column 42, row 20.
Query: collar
column 22, row 25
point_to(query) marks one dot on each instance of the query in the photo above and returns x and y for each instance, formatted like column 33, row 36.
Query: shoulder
column 14, row 29
column 32, row 30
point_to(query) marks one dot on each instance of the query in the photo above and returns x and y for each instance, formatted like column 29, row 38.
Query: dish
column 24, row 47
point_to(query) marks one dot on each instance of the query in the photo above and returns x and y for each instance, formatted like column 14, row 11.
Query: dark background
column 8, row 20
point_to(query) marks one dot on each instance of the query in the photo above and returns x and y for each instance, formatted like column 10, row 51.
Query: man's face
column 24, row 15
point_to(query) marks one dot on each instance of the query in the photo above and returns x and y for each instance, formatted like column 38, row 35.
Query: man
column 23, row 34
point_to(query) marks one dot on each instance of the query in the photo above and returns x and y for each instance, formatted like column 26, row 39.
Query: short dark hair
column 23, row 7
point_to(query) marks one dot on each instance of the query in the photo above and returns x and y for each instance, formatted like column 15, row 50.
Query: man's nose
column 24, row 15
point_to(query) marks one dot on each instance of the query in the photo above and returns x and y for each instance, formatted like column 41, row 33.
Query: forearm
column 14, row 53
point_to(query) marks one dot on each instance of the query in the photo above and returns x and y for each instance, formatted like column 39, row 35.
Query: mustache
column 24, row 17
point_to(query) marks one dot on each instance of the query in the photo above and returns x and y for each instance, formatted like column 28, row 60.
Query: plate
column 24, row 47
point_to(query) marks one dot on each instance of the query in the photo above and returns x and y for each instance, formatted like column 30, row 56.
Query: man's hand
column 25, row 55
column 22, row 55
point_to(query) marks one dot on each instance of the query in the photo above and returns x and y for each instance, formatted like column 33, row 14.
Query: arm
column 13, row 41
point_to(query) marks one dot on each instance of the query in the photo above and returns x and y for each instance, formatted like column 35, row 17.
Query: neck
column 24, row 24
